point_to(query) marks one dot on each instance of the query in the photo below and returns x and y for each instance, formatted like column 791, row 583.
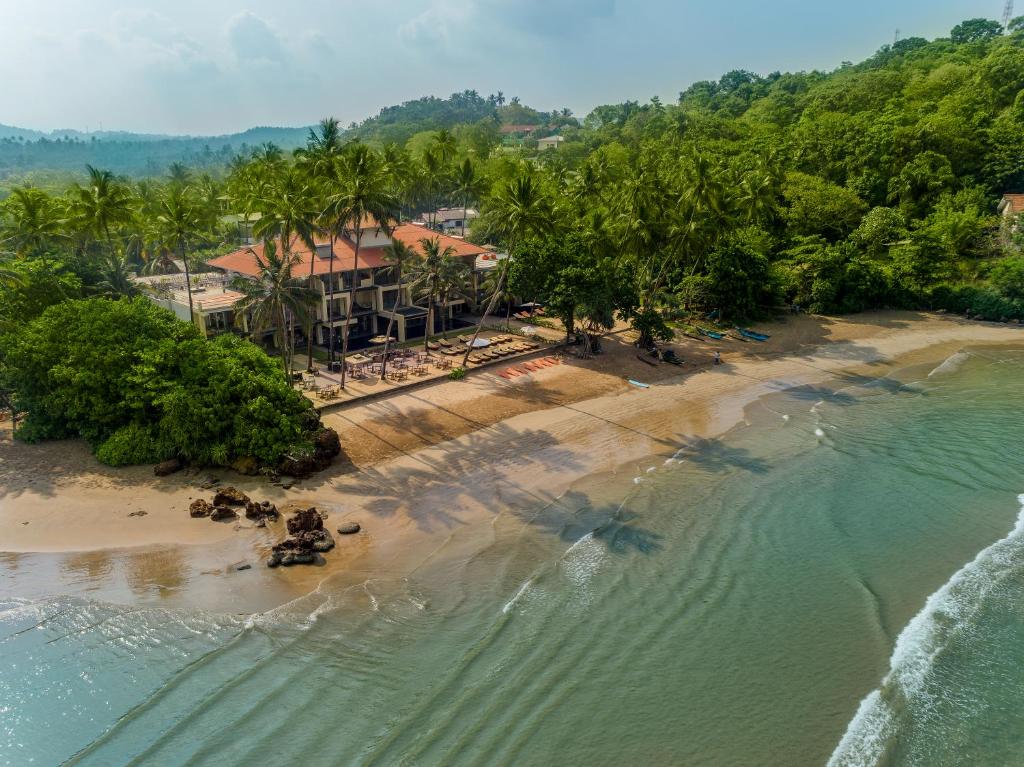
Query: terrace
column 410, row 366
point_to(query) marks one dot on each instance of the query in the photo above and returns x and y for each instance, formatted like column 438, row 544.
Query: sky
column 208, row 67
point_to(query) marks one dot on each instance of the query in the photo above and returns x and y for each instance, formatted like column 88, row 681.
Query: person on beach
column 718, row 358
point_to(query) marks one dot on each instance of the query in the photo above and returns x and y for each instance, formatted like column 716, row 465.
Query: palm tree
column 177, row 227
column 434, row 177
column 445, row 145
column 116, row 275
column 319, row 159
column 427, row 274
column 270, row 299
column 101, row 205
column 400, row 256
column 453, row 279
column 518, row 210
column 32, row 222
column 9, row 278
column 364, row 193
column 467, row 186
column 178, row 174
column 289, row 213
column 492, row 285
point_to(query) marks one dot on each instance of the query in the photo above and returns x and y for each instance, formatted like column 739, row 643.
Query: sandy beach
column 430, row 469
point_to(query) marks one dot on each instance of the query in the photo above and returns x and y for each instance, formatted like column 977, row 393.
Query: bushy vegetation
column 141, row 386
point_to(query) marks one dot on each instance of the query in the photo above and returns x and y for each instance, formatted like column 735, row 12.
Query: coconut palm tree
column 467, row 186
column 364, row 193
column 401, row 257
column 274, row 296
column 427, row 275
column 493, row 284
column 289, row 213
column 445, row 145
column 100, row 206
column 433, row 180
column 319, row 160
column 454, row 279
column 519, row 209
column 177, row 228
column 31, row 222
column 9, row 278
column 116, row 277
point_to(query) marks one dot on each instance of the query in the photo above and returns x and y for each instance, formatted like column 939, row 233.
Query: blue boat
column 711, row 334
column 747, row 333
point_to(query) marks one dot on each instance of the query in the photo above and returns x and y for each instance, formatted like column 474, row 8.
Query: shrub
column 140, row 385
column 457, row 374
column 983, row 302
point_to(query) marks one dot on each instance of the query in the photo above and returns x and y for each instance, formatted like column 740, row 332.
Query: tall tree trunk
column 351, row 299
column 391, row 325
column 311, row 322
column 330, row 305
column 508, row 314
column 487, row 311
column 430, row 320
column 188, row 281
column 284, row 347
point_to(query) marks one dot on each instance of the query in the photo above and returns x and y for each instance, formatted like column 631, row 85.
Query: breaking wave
column 946, row 614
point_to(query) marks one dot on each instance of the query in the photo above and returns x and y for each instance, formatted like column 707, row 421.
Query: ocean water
column 839, row 580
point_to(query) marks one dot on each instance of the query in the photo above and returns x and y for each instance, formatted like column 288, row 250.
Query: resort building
column 551, row 142
column 213, row 301
column 376, row 282
column 450, row 220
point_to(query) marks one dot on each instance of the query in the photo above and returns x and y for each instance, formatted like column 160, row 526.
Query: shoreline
column 432, row 466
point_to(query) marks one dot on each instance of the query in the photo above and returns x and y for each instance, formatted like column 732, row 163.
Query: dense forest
column 872, row 186
column 53, row 157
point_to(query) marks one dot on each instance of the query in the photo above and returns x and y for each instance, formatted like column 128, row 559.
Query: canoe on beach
column 712, row 334
column 747, row 333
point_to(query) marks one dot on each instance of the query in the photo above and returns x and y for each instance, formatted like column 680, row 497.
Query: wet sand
column 431, row 470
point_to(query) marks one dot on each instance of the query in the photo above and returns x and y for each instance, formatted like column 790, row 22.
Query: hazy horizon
column 198, row 70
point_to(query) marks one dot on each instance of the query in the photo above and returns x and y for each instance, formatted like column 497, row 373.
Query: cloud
column 548, row 18
column 252, row 39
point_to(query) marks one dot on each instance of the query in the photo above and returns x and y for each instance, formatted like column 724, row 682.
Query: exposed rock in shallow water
column 223, row 512
column 200, row 508
column 229, row 496
column 289, row 558
column 169, row 466
column 305, row 521
column 304, row 545
column 349, row 528
column 261, row 511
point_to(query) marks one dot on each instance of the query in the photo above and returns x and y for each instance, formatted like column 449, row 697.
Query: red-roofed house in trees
column 376, row 282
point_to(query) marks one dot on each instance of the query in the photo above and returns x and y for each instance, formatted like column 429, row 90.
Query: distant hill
column 25, row 152
column 28, row 153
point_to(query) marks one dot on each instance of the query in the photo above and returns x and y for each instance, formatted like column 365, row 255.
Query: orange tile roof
column 243, row 260
column 1015, row 201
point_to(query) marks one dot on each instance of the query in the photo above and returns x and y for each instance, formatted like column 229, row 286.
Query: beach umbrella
column 480, row 343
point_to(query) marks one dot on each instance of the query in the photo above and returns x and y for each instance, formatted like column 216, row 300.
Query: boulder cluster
column 226, row 500
column 308, row 538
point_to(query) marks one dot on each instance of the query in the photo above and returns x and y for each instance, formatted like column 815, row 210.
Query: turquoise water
column 840, row 579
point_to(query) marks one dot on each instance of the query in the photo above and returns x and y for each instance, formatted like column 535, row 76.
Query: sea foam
column 946, row 613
